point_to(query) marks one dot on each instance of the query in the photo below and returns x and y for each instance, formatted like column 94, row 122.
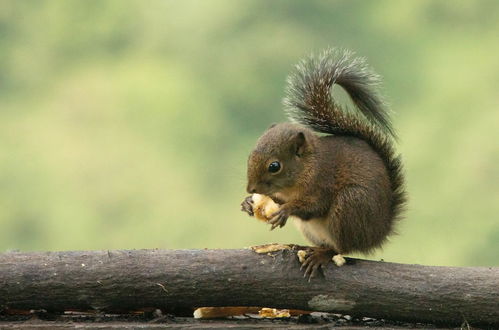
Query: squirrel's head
column 279, row 158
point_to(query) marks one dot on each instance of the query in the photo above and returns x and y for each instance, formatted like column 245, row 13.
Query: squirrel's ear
column 272, row 125
column 300, row 143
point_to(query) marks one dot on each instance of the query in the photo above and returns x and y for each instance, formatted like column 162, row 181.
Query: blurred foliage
column 126, row 124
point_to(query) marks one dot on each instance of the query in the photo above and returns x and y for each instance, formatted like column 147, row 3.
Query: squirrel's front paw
column 247, row 206
column 279, row 218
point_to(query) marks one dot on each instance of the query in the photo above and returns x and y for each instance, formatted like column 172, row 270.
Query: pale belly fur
column 316, row 231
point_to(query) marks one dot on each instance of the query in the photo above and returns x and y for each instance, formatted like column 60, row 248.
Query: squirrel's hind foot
column 314, row 259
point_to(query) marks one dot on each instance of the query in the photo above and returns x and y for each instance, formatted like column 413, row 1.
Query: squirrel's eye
column 274, row 167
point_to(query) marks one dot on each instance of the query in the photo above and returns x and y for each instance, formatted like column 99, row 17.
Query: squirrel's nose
column 251, row 189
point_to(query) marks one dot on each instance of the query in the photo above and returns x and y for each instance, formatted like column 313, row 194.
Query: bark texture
column 179, row 280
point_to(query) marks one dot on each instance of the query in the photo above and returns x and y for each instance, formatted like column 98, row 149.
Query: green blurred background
column 127, row 124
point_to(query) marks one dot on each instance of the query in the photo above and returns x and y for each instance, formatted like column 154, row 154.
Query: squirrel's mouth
column 276, row 198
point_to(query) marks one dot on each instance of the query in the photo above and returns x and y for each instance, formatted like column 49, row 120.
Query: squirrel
column 345, row 188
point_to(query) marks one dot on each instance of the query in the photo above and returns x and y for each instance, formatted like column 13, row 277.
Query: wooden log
column 179, row 280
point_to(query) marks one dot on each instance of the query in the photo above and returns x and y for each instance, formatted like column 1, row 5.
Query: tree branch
column 176, row 280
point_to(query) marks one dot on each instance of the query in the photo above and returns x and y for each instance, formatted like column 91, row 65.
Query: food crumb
column 302, row 254
column 274, row 313
column 339, row 260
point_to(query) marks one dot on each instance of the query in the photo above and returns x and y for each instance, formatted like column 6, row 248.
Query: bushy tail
column 308, row 101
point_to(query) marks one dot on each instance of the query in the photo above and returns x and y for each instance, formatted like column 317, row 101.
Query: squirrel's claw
column 247, row 206
column 312, row 268
column 315, row 260
column 279, row 219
